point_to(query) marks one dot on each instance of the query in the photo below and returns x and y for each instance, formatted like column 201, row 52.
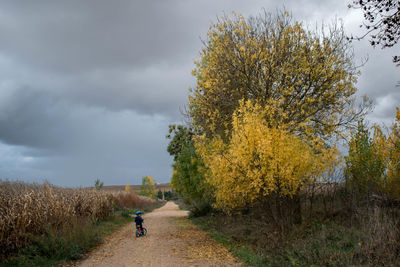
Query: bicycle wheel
column 144, row 231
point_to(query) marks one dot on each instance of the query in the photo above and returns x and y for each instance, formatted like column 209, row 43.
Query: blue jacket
column 139, row 220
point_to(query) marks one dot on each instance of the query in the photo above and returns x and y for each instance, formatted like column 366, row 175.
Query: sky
column 88, row 88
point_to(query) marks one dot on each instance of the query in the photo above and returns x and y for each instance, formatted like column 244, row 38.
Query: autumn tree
column 308, row 77
column 373, row 162
column 381, row 22
column 148, row 187
column 127, row 188
column 365, row 166
column 389, row 150
column 188, row 169
column 260, row 161
column 394, row 157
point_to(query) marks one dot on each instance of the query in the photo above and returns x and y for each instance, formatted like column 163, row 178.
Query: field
column 31, row 212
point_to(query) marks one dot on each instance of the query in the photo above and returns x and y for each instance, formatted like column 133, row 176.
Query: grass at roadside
column 318, row 244
column 181, row 203
column 71, row 242
column 238, row 249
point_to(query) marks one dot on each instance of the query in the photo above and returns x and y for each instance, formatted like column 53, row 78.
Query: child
column 139, row 221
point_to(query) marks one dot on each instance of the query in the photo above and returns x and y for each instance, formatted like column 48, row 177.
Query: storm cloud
column 88, row 88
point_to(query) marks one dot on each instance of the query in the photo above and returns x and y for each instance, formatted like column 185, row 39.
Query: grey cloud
column 117, row 55
column 157, row 89
column 35, row 119
column 376, row 81
column 69, row 144
column 86, row 35
column 26, row 116
column 385, row 109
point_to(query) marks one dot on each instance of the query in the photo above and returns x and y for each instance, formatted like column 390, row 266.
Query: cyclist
column 139, row 221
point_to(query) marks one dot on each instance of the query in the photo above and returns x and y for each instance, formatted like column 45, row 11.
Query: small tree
column 365, row 165
column 394, row 157
column 169, row 195
column 148, row 187
column 98, row 184
column 180, row 137
column 373, row 163
column 160, row 194
column 127, row 188
column 388, row 147
column 188, row 174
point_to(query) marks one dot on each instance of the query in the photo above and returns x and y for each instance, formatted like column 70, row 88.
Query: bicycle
column 140, row 231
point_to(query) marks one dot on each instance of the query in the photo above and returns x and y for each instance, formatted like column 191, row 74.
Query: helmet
column 138, row 212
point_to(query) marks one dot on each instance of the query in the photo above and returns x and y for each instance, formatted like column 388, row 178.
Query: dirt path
column 172, row 240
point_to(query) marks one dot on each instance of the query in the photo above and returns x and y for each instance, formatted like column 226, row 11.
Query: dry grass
column 381, row 240
column 29, row 210
column 126, row 200
column 330, row 234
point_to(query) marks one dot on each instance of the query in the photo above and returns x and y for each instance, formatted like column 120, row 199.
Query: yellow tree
column 373, row 165
column 259, row 160
column 365, row 162
column 392, row 154
column 394, row 163
column 127, row 188
column 276, row 62
column 148, row 187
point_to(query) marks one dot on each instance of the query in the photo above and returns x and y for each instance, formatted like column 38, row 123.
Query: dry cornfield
column 28, row 210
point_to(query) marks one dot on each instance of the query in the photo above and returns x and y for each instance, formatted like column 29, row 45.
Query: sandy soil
column 172, row 240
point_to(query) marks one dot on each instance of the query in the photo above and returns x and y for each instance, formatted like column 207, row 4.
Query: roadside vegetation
column 43, row 225
column 259, row 165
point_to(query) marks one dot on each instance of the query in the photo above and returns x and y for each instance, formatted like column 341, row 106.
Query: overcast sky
column 88, row 88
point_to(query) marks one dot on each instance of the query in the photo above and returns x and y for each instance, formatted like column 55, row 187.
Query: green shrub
column 365, row 167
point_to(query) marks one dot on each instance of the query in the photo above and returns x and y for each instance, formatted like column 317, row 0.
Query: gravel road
column 172, row 240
